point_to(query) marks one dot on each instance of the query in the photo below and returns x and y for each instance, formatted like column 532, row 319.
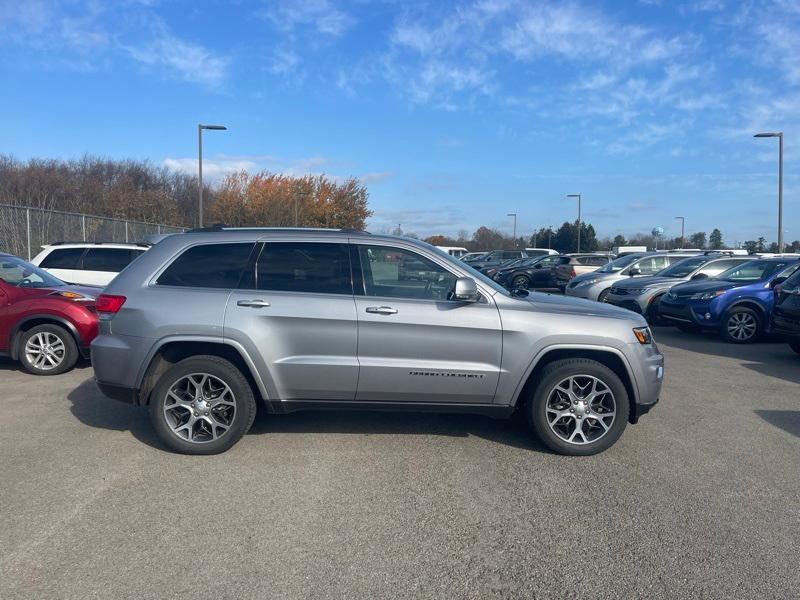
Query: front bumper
column 701, row 314
column 590, row 292
column 648, row 371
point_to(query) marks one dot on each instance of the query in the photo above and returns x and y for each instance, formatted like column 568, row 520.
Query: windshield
column 15, row 271
column 755, row 270
column 684, row 267
column 617, row 265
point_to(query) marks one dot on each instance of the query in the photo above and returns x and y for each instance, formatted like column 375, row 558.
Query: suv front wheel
column 202, row 405
column 580, row 407
column 47, row 350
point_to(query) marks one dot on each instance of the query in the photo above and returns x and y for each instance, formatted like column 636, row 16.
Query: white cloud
column 320, row 15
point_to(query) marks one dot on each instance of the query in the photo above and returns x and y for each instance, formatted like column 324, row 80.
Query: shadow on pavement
column 770, row 357
column 788, row 420
column 93, row 409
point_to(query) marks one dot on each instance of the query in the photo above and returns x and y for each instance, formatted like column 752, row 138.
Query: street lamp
column 683, row 224
column 549, row 235
column 779, row 135
column 515, row 227
column 578, row 196
column 200, row 128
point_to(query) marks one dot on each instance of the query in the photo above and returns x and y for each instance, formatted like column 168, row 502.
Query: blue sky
column 454, row 114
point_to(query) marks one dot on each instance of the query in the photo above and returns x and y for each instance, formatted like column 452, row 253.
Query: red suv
column 45, row 323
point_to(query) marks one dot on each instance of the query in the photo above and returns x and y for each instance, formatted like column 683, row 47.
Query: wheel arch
column 171, row 351
column 748, row 303
column 610, row 357
column 31, row 321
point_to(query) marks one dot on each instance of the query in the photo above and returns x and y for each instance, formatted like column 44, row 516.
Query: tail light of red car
column 109, row 304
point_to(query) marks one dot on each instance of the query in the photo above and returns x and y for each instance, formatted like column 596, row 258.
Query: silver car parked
column 597, row 284
column 208, row 325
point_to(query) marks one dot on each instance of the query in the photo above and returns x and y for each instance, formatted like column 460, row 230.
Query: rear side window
column 208, row 266
column 63, row 258
column 111, row 260
column 304, row 267
column 715, row 267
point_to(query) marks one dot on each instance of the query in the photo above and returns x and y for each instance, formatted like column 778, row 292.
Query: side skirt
column 283, row 407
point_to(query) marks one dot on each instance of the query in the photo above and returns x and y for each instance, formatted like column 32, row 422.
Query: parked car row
column 741, row 297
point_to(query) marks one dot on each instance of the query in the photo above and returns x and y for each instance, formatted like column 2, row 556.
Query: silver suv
column 208, row 325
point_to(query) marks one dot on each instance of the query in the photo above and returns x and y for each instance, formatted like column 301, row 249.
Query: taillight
column 108, row 303
column 572, row 272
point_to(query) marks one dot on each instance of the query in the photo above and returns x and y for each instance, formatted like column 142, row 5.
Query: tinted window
column 652, row 264
column 793, row 282
column 63, row 258
column 399, row 273
column 112, row 260
column 208, row 266
column 754, row 270
column 684, row 267
column 304, row 267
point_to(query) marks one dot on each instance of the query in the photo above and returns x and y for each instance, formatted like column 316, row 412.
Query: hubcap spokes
column 581, row 409
column 521, row 283
column 45, row 351
column 199, row 408
column 742, row 326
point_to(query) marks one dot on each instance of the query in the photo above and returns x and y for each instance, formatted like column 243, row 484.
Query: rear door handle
column 382, row 310
column 253, row 303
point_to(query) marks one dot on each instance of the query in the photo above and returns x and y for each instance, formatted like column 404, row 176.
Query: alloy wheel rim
column 199, row 408
column 521, row 283
column 580, row 409
column 45, row 351
column 742, row 326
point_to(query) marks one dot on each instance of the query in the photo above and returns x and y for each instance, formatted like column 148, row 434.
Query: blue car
column 737, row 302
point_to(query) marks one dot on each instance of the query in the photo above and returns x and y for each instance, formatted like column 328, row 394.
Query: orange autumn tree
column 278, row 200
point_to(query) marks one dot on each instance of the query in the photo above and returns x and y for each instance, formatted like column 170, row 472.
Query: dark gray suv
column 208, row 325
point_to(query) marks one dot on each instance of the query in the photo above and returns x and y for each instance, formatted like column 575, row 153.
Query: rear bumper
column 787, row 326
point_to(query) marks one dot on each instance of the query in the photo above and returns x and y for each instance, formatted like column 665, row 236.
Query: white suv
column 87, row 263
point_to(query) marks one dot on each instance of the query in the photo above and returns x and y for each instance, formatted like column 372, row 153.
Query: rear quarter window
column 208, row 266
column 63, row 258
column 110, row 260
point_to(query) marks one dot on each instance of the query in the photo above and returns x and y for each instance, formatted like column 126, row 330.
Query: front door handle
column 253, row 303
column 382, row 310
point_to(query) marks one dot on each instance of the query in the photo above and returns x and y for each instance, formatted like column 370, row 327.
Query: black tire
column 520, row 282
column 222, row 370
column 549, row 378
column 795, row 346
column 66, row 352
column 741, row 336
column 603, row 295
column 653, row 314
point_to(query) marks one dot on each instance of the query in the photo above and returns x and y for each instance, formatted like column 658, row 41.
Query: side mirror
column 634, row 271
column 697, row 276
column 777, row 281
column 466, row 290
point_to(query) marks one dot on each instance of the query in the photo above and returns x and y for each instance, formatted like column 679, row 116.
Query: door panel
column 422, row 347
column 305, row 340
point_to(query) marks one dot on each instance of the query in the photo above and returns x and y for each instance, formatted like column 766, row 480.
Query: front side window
column 399, row 273
column 304, row 267
column 63, row 258
column 617, row 265
column 111, row 260
column 685, row 267
column 208, row 266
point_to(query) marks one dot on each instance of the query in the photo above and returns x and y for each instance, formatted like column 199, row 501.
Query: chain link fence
column 23, row 230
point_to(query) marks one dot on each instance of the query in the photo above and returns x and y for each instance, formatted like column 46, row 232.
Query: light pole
column 515, row 227
column 578, row 196
column 549, row 235
column 200, row 128
column 683, row 224
column 779, row 135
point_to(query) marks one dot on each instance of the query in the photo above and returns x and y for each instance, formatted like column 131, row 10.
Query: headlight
column 587, row 282
column 643, row 335
column 636, row 291
column 706, row 295
column 73, row 296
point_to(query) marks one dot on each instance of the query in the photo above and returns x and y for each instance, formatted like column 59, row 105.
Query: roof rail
column 725, row 252
column 217, row 227
column 98, row 243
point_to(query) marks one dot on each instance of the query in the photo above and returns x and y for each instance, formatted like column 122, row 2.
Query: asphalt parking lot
column 700, row 499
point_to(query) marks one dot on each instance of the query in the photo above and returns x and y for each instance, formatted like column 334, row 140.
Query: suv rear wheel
column 202, row 405
column 47, row 350
column 580, row 407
